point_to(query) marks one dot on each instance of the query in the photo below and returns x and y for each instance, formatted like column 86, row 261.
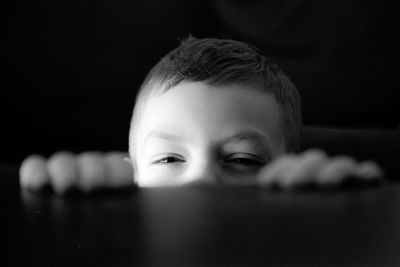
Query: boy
column 211, row 111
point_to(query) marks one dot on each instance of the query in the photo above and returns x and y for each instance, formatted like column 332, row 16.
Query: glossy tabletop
column 201, row 226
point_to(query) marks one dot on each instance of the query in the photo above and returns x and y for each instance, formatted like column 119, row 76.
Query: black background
column 71, row 69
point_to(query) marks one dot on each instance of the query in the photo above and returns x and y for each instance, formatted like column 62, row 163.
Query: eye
column 169, row 160
column 246, row 160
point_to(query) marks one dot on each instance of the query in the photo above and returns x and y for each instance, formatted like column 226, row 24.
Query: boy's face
column 199, row 133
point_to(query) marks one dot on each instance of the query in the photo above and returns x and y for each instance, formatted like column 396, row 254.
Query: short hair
column 220, row 62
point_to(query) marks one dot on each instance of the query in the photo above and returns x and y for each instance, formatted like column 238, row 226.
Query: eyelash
column 250, row 160
column 161, row 161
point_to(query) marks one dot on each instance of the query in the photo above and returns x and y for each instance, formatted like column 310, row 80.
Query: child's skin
column 199, row 133
column 206, row 133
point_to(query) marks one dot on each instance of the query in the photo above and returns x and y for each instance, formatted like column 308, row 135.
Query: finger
column 273, row 172
column 369, row 170
column 302, row 173
column 33, row 173
column 63, row 171
column 336, row 171
column 92, row 170
column 120, row 172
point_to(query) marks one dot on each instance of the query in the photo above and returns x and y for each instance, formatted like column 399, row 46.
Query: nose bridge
column 204, row 170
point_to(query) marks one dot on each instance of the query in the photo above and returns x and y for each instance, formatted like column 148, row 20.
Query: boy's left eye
column 245, row 159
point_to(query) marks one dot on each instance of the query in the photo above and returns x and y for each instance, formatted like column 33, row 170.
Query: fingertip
column 120, row 170
column 274, row 173
column 128, row 160
column 336, row 171
column 314, row 153
column 33, row 173
column 298, row 171
column 63, row 172
column 370, row 170
column 92, row 171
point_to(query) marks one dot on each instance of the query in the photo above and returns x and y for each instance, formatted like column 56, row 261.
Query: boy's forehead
column 194, row 107
column 201, row 96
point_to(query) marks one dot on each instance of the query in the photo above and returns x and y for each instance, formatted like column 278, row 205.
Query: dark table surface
column 201, row 226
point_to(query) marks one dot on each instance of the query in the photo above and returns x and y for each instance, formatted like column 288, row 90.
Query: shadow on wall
column 71, row 70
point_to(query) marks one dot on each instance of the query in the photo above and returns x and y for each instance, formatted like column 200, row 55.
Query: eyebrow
column 240, row 136
column 250, row 135
column 160, row 134
column 245, row 135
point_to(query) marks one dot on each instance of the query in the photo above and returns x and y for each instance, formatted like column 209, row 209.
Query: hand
column 314, row 167
column 86, row 171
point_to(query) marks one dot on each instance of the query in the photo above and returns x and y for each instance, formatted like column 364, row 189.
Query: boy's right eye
column 169, row 160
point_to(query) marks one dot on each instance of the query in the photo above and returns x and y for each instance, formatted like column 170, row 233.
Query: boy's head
column 212, row 110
